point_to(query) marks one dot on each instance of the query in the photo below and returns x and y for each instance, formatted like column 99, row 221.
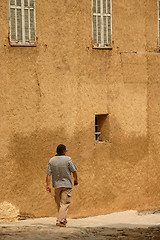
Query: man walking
column 61, row 167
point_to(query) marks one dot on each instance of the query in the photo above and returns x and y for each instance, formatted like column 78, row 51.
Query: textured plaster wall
column 50, row 95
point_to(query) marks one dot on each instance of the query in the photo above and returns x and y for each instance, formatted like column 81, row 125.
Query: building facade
column 85, row 74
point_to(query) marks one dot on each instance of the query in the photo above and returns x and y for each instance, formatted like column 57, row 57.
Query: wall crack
column 37, row 79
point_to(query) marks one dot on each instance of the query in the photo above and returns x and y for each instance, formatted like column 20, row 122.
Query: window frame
column 23, row 42
column 102, row 45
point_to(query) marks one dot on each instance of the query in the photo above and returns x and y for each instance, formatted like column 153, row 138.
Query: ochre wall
column 50, row 95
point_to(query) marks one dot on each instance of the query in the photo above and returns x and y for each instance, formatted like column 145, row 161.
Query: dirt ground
column 127, row 225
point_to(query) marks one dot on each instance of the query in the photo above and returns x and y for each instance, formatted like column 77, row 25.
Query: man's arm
column 48, row 180
column 75, row 178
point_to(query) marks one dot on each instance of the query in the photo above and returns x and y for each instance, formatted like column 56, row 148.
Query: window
column 22, row 22
column 102, row 23
column 102, row 128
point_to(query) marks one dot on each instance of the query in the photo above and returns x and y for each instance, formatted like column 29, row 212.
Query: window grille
column 22, row 22
column 102, row 23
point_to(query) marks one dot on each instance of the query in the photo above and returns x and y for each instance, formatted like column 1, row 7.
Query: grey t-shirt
column 61, row 167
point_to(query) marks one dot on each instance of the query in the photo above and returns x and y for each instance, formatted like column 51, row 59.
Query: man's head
column 61, row 149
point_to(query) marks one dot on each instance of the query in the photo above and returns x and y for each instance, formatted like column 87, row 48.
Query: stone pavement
column 127, row 225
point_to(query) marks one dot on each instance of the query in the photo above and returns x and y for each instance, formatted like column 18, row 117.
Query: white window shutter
column 99, row 29
column 22, row 22
column 12, row 2
column 14, row 14
column 102, row 23
column 26, row 15
column 12, row 24
column 29, row 13
column 32, row 25
column 109, row 13
column 98, row 6
column 19, row 25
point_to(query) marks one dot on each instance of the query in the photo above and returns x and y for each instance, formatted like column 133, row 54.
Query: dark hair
column 61, row 148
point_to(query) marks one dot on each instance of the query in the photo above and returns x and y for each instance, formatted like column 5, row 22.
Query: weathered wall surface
column 50, row 95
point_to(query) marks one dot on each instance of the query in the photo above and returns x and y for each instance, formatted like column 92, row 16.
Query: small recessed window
column 102, row 128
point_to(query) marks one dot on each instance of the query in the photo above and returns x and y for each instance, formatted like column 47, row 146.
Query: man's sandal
column 61, row 224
